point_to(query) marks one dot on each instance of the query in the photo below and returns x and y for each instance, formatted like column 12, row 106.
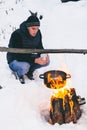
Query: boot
column 30, row 77
column 21, row 79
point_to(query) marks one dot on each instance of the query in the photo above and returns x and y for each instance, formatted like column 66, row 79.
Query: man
column 28, row 36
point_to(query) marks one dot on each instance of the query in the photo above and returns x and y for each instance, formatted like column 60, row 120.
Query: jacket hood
column 23, row 28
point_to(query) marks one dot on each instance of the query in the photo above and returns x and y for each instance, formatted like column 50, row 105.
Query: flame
column 57, row 82
column 60, row 90
column 61, row 93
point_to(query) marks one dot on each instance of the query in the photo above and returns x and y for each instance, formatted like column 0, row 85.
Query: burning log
column 67, row 114
column 56, row 112
column 76, row 109
column 65, row 107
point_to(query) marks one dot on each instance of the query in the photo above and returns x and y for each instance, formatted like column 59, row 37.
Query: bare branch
column 16, row 50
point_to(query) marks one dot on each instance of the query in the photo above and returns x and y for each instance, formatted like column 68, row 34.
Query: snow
column 64, row 25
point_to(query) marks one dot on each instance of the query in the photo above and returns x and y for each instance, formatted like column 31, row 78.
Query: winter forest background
column 64, row 26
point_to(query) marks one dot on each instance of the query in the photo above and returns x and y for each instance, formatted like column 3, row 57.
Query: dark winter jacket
column 21, row 39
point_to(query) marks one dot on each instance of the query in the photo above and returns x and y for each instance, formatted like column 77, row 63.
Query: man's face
column 33, row 30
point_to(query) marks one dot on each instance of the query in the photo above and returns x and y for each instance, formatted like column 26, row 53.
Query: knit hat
column 32, row 21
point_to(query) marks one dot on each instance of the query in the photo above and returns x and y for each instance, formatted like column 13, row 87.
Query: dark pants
column 34, row 67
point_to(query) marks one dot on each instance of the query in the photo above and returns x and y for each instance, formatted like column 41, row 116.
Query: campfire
column 64, row 103
column 65, row 107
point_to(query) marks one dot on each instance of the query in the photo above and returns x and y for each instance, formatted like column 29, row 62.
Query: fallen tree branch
column 16, row 50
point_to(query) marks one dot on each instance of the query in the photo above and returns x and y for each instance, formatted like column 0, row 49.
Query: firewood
column 67, row 109
column 57, row 113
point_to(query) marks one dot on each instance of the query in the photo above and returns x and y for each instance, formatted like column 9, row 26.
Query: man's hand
column 42, row 61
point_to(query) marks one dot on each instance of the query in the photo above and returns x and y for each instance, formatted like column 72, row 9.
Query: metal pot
column 55, row 79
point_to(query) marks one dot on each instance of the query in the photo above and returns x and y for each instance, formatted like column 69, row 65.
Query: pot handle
column 41, row 76
column 68, row 76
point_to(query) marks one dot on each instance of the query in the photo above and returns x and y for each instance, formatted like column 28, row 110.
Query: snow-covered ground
column 64, row 25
